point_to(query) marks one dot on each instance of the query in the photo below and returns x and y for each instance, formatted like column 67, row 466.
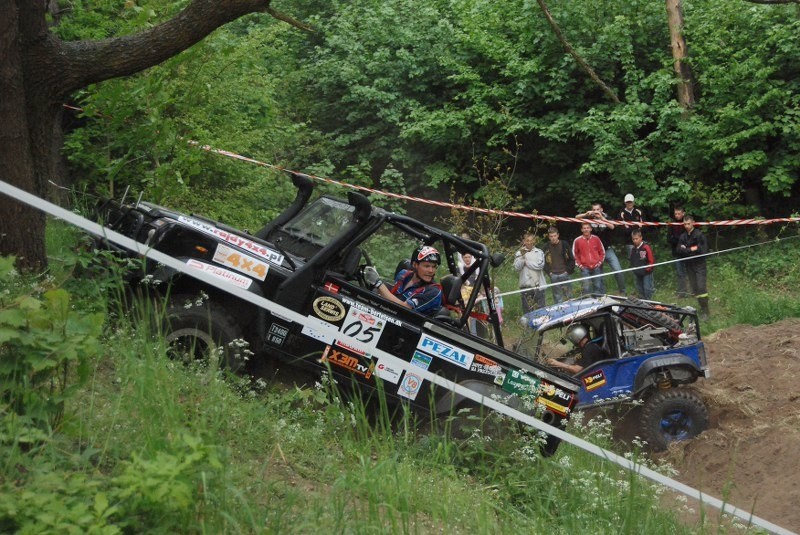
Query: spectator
column 692, row 245
column 673, row 235
column 413, row 288
column 559, row 264
column 589, row 253
column 469, row 286
column 605, row 231
column 529, row 262
column 642, row 258
column 591, row 352
column 630, row 214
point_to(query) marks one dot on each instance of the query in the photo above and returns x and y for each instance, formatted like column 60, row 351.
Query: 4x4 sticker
column 328, row 308
column 446, row 351
column 221, row 273
column 253, row 267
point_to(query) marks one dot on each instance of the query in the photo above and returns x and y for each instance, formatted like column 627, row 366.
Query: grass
column 150, row 445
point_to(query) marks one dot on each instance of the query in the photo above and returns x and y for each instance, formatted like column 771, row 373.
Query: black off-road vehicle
column 311, row 259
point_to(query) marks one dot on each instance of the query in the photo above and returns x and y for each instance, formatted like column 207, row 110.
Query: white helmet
column 576, row 333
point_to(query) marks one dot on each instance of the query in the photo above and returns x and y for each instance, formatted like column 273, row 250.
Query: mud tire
column 192, row 332
column 672, row 415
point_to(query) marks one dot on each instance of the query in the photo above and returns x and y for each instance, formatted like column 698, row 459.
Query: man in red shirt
column 589, row 254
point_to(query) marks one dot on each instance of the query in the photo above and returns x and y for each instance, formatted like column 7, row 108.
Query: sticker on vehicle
column 271, row 256
column 328, row 308
column 444, row 350
column 388, row 373
column 317, row 334
column 520, row 383
column 221, row 273
column 594, row 380
column 277, row 334
column 410, row 385
column 351, row 363
column 421, row 360
column 363, row 326
column 230, row 257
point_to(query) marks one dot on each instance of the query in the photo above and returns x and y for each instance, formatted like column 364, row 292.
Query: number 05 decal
column 363, row 326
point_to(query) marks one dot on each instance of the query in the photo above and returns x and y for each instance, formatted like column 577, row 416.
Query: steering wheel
column 360, row 273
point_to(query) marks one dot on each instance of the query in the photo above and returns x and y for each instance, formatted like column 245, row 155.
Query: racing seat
column 451, row 298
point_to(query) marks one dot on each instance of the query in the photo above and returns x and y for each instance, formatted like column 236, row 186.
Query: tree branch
column 571, row 51
column 79, row 63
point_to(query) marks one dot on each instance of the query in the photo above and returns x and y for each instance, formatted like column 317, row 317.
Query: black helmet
column 426, row 253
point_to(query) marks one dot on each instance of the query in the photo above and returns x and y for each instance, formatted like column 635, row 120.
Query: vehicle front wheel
column 672, row 415
column 196, row 330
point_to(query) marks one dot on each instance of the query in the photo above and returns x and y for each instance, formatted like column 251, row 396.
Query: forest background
column 469, row 100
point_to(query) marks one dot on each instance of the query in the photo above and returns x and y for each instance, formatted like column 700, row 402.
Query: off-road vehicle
column 654, row 350
column 311, row 259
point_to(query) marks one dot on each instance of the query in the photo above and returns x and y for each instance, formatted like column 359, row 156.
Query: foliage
column 44, row 352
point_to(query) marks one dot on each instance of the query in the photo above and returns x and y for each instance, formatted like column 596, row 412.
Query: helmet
column 426, row 253
column 576, row 333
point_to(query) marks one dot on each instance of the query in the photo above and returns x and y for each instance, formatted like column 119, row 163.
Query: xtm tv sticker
column 348, row 362
column 594, row 380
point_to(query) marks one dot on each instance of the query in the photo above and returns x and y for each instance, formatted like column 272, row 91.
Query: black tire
column 672, row 415
column 192, row 330
column 650, row 314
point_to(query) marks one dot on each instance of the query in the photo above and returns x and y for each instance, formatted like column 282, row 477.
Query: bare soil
column 750, row 455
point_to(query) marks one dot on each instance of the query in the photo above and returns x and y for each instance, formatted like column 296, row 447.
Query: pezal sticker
column 446, row 351
column 328, row 308
column 220, row 273
column 253, row 267
column 594, row 380
column 410, row 385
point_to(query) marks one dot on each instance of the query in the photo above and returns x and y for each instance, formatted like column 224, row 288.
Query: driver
column 413, row 288
column 591, row 352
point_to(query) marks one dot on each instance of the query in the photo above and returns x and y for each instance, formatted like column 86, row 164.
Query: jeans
column 680, row 273
column 562, row 292
column 645, row 286
column 613, row 263
column 599, row 286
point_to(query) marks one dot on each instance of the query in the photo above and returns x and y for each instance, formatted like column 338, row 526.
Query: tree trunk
column 679, row 54
column 38, row 71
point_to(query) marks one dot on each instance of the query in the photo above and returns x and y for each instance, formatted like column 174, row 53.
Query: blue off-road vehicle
column 653, row 351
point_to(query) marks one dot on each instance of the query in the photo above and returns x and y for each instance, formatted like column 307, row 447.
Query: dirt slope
column 750, row 456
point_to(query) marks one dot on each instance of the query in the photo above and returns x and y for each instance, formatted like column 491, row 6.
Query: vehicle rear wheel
column 672, row 415
column 198, row 331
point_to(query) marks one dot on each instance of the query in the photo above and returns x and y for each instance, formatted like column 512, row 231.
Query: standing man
column 642, row 258
column 559, row 264
column 673, row 235
column 691, row 245
column 413, row 288
column 630, row 214
column 529, row 262
column 589, row 254
column 605, row 231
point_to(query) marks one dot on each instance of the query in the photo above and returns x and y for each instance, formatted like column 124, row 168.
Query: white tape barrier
column 395, row 362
